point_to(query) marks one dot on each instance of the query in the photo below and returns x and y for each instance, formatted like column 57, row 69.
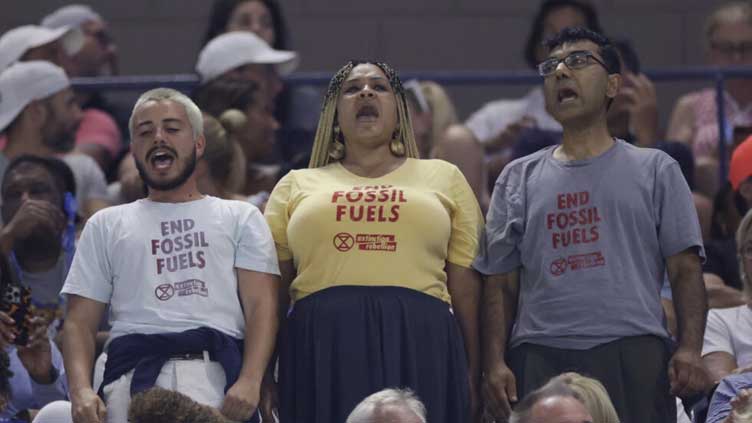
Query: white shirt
column 170, row 267
column 491, row 119
column 730, row 330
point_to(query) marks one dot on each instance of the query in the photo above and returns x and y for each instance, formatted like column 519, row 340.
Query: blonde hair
column 741, row 236
column 732, row 12
column 326, row 148
column 593, row 395
column 223, row 155
column 442, row 108
column 168, row 94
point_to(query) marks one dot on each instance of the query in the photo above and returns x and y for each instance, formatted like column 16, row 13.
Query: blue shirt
column 730, row 386
column 27, row 394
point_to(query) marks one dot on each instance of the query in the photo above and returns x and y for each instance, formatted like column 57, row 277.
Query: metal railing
column 700, row 73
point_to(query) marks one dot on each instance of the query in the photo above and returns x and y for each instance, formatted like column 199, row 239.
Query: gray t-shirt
column 590, row 239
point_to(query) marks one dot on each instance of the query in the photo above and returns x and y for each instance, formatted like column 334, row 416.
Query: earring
column 396, row 146
column 337, row 147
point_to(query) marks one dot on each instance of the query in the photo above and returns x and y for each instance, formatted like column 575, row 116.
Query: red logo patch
column 343, row 241
column 558, row 267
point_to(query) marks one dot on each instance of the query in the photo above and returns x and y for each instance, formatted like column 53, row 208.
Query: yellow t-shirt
column 396, row 230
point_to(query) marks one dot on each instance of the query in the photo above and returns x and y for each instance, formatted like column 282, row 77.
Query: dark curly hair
column 535, row 38
column 159, row 405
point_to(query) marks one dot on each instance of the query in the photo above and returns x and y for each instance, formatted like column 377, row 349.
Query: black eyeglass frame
column 568, row 58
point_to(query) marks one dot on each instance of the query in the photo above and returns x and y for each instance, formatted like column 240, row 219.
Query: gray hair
column 164, row 94
column 364, row 411
column 523, row 412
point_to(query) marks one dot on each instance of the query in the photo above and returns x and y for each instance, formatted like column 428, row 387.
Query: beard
column 58, row 136
column 170, row 184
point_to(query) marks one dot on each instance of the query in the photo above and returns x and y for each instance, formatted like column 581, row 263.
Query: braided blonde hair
column 326, row 148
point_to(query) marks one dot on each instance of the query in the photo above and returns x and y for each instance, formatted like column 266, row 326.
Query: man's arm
column 686, row 371
column 721, row 295
column 81, row 322
column 465, row 288
column 498, row 311
column 259, row 297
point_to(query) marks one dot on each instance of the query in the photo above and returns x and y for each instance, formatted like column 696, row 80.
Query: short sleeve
column 277, row 213
column 467, row 222
column 255, row 245
column 678, row 224
column 717, row 335
column 499, row 246
column 90, row 275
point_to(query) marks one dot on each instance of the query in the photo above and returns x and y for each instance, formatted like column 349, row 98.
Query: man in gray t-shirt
column 578, row 240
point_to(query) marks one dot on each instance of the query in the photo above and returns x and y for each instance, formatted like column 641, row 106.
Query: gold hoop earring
column 337, row 147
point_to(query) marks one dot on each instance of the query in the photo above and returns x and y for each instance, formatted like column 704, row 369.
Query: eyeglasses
column 731, row 49
column 575, row 60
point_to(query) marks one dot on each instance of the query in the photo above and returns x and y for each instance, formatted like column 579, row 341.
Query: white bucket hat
column 17, row 41
column 24, row 82
column 230, row 50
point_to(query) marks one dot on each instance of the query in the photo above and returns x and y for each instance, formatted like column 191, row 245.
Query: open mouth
column 367, row 113
column 161, row 159
column 566, row 95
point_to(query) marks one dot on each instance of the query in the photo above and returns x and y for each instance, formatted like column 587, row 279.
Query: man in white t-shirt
column 187, row 277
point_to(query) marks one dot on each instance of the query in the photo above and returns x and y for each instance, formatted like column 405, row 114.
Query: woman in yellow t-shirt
column 375, row 248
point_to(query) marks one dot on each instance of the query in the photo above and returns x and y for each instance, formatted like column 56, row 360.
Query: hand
column 131, row 184
column 641, row 102
column 739, row 370
column 499, row 391
column 8, row 330
column 739, row 404
column 269, row 401
column 29, row 217
column 36, row 356
column 87, row 407
column 509, row 135
column 241, row 400
column 686, row 373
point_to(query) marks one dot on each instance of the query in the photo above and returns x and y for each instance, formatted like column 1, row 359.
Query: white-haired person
column 387, row 406
column 191, row 281
column 375, row 248
column 727, row 345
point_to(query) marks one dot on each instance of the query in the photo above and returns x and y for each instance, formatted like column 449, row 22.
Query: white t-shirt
column 491, row 119
column 90, row 180
column 170, row 267
column 730, row 330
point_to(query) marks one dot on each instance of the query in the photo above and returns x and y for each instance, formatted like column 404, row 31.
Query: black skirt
column 341, row 344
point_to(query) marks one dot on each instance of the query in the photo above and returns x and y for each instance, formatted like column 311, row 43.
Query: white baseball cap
column 230, row 50
column 23, row 82
column 17, row 41
column 72, row 15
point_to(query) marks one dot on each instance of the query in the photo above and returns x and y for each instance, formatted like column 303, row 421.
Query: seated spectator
column 255, row 135
column 694, row 118
column 103, row 121
column 728, row 340
column 31, row 375
column 296, row 108
column 159, row 405
column 388, row 406
column 731, row 401
column 721, row 270
column 245, row 56
column 592, row 393
column 553, row 403
column 31, row 42
column 39, row 116
column 40, row 211
column 494, row 129
column 221, row 170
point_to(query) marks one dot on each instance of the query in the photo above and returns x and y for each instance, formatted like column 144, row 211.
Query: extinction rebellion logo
column 344, row 242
